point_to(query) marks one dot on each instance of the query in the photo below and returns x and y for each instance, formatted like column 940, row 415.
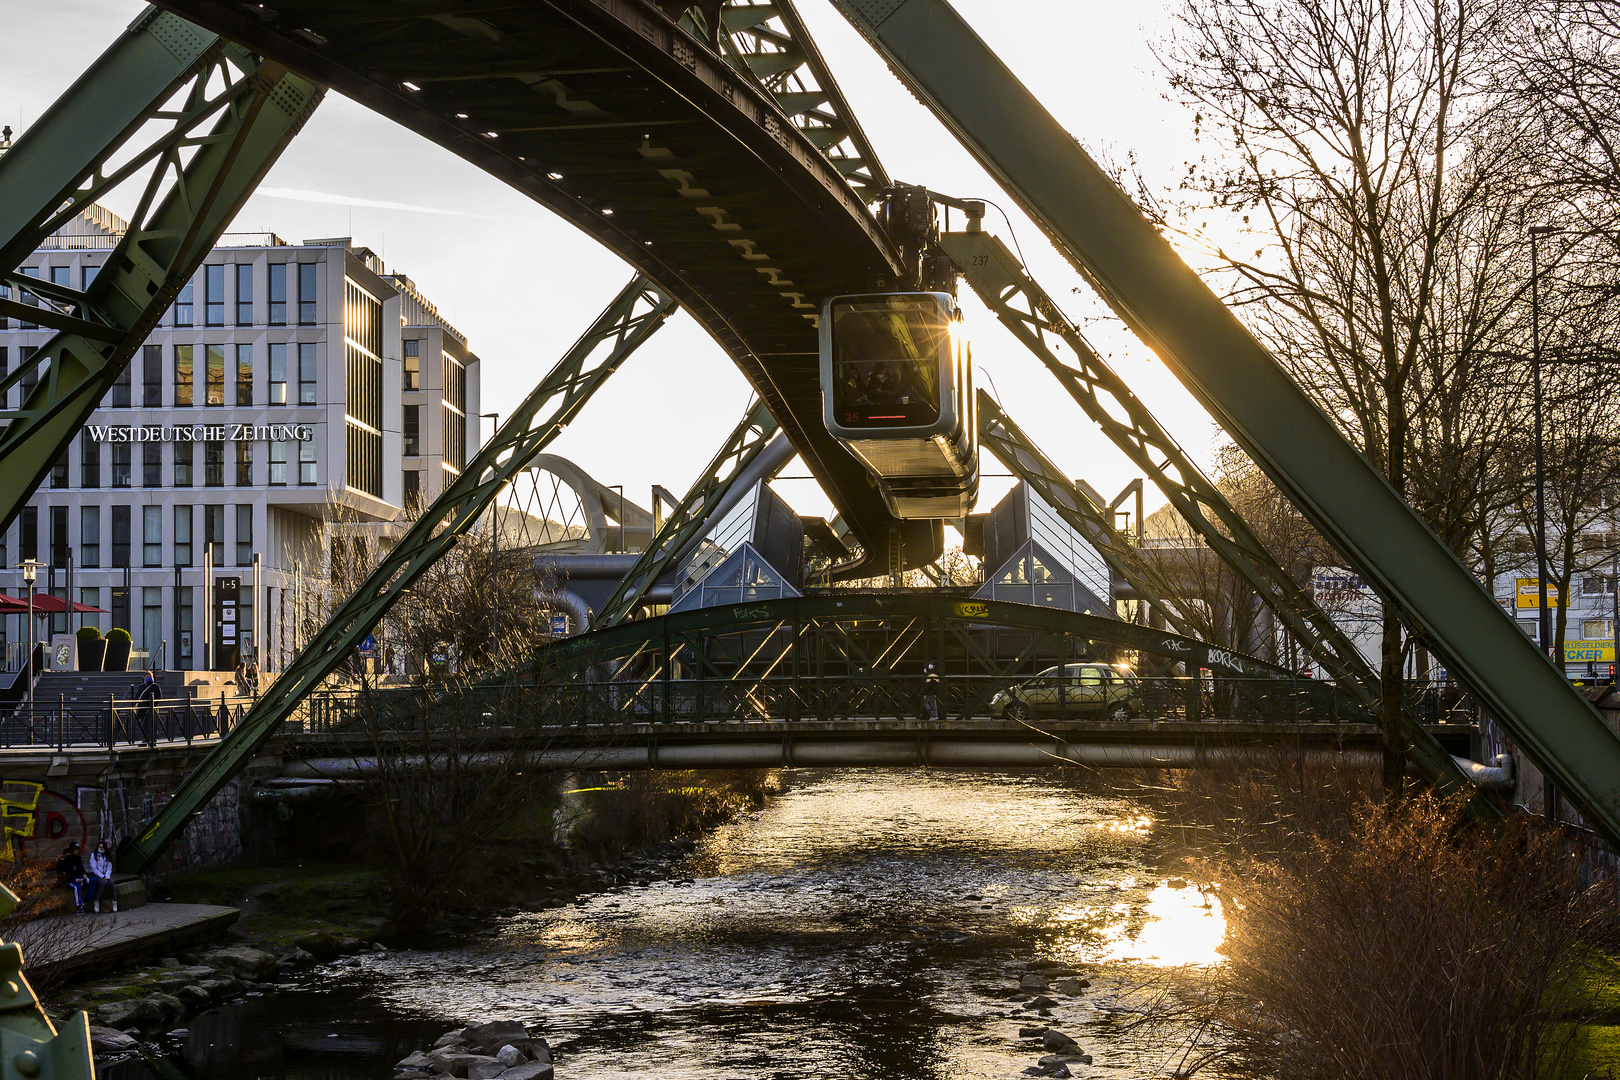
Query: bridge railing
column 865, row 697
column 63, row 725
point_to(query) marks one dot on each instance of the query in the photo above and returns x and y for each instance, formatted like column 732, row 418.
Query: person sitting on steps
column 70, row 874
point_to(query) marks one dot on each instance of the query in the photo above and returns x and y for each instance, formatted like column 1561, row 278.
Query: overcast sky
column 522, row 284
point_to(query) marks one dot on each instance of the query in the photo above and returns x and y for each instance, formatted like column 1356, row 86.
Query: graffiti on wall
column 35, row 816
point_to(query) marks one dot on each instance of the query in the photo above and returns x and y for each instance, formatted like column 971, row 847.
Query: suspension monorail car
column 897, row 390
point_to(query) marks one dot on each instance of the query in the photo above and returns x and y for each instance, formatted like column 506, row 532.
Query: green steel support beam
column 633, row 316
column 767, row 40
column 1026, row 309
column 1136, row 271
column 687, row 520
column 31, row 1047
column 56, row 166
column 252, row 108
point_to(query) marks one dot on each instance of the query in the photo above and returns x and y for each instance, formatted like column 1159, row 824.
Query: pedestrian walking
column 148, row 694
column 930, row 697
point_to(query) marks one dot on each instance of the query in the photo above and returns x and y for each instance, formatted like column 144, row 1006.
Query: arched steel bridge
column 723, row 163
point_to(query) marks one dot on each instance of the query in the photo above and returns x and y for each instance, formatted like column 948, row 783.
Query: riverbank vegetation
column 1389, row 941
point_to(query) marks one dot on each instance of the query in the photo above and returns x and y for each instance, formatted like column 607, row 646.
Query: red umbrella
column 44, row 604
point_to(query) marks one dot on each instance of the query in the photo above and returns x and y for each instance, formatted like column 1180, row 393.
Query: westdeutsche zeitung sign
column 201, row 433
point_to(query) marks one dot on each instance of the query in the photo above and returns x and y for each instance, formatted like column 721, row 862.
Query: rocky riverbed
column 915, row 925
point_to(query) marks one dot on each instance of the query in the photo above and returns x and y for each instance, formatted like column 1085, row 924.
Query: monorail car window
column 886, row 360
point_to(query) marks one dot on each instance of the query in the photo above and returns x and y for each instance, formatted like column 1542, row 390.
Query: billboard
column 1529, row 594
column 1584, row 652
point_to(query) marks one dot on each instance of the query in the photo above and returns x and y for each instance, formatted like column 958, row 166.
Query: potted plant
column 118, row 643
column 92, row 649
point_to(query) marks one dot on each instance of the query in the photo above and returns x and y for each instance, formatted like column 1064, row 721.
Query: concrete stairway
column 83, row 692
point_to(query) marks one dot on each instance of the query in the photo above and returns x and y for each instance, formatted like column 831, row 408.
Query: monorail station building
column 289, row 386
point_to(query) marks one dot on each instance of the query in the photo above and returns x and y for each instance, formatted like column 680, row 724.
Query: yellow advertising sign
column 1530, row 594
column 1582, row 652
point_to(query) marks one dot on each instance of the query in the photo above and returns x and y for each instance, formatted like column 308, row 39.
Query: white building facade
column 288, row 385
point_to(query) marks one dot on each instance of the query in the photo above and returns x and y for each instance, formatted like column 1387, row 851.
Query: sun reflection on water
column 1177, row 926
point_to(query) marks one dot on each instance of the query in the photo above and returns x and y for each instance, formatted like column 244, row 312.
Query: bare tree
column 1359, row 160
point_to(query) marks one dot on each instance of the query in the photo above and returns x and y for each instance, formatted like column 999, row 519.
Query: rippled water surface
column 861, row 925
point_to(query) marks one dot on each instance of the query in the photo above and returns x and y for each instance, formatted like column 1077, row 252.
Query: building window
column 59, row 471
column 244, row 374
column 413, row 365
column 413, row 489
column 119, row 396
column 306, row 460
column 214, row 533
column 183, row 458
column 244, row 537
column 453, row 374
column 278, row 374
column 87, row 274
column 183, row 627
column 278, row 294
column 182, row 306
column 363, row 389
column 278, row 464
column 151, row 536
column 28, row 534
column 91, row 598
column 216, row 374
column 151, row 464
column 5, row 294
column 120, row 607
column 306, row 294
column 29, row 368
column 214, row 294
column 183, row 375
column 60, row 276
column 244, row 463
column 120, row 465
column 1597, row 585
column 89, row 461
column 59, row 535
column 306, row 374
column 4, row 364
column 120, row 536
column 1597, row 629
column 26, row 297
column 182, row 536
column 244, row 294
column 455, row 438
column 152, row 623
column 413, row 430
column 213, row 464
column 152, row 376
column 90, row 537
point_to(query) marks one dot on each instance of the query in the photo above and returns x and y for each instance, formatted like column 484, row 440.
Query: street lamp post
column 1544, row 624
column 30, row 571
column 494, row 556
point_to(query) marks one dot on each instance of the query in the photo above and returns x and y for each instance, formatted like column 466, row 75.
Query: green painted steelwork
column 252, row 109
column 633, row 316
column 31, row 1047
column 1098, row 229
column 808, row 657
column 694, row 514
column 768, row 40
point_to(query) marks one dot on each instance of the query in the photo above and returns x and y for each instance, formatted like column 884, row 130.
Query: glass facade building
column 270, row 398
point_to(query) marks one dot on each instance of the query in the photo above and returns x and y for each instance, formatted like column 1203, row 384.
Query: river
column 863, row 924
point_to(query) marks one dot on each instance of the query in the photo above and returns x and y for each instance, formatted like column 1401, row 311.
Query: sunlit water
column 862, row 925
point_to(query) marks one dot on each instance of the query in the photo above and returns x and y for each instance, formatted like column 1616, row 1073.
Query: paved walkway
column 103, row 941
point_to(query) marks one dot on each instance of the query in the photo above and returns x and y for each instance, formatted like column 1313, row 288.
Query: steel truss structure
column 229, row 114
column 1097, row 228
column 856, row 654
column 1025, row 308
column 688, row 519
column 633, row 316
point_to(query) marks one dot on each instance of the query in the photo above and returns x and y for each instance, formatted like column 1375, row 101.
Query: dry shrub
column 44, row 923
column 1386, row 943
